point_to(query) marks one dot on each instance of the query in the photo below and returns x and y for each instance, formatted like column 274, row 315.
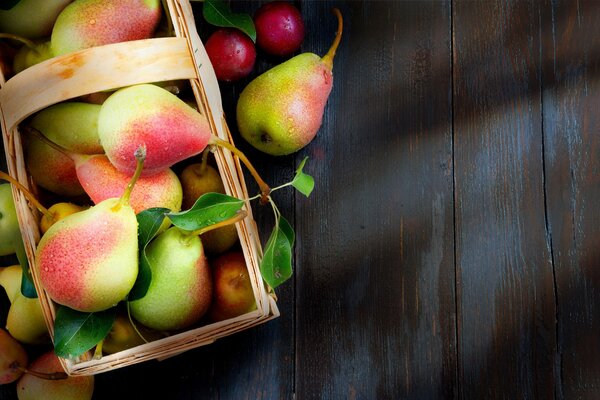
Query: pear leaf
column 287, row 230
column 8, row 4
column 218, row 13
column 209, row 209
column 76, row 332
column 304, row 183
column 276, row 265
column 27, row 286
column 149, row 222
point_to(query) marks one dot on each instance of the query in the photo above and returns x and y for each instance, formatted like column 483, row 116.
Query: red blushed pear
column 89, row 260
column 281, row 111
column 147, row 114
column 89, row 23
column 13, row 358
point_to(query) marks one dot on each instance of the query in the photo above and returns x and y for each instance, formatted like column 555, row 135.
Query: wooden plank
column 571, row 39
column 375, row 270
column 505, row 291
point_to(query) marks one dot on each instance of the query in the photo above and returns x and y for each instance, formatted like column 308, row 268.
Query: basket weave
column 110, row 67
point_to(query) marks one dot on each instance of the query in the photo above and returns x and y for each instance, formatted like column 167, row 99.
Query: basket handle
column 94, row 70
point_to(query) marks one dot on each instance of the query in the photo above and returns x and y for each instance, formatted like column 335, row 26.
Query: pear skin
column 31, row 18
column 123, row 336
column 281, row 110
column 27, row 57
column 101, row 180
column 181, row 288
column 25, row 321
column 88, row 261
column 58, row 211
column 12, row 356
column 9, row 225
column 149, row 115
column 30, row 387
column 88, row 23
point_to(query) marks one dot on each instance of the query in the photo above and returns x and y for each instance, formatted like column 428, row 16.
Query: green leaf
column 76, row 332
column 304, row 183
column 27, row 286
column 8, row 4
column 209, row 209
column 287, row 230
column 276, row 265
column 217, row 12
column 149, row 221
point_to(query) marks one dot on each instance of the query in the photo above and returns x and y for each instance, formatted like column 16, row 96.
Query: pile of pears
column 99, row 160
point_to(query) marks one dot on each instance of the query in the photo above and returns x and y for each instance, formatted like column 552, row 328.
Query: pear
column 151, row 116
column 72, row 125
column 181, row 289
column 196, row 180
column 25, row 321
column 88, row 261
column 124, row 336
column 31, row 387
column 29, row 56
column 13, row 358
column 9, row 225
column 281, row 110
column 88, row 23
column 31, row 18
column 233, row 294
column 57, row 212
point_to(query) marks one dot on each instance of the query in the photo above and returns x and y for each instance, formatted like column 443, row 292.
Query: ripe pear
column 13, row 358
column 57, row 212
column 88, row 23
column 9, row 225
column 101, row 180
column 25, row 321
column 31, row 18
column 233, row 294
column 123, row 336
column 72, row 125
column 31, row 387
column 151, row 116
column 29, row 56
column 88, row 261
column 281, row 110
column 181, row 288
column 196, row 180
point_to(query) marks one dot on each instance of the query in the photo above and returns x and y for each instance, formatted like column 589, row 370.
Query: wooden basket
column 110, row 67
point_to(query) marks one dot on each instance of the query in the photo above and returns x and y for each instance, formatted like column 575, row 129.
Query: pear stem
column 140, row 156
column 264, row 188
column 241, row 214
column 28, row 194
column 29, row 43
column 135, row 328
column 328, row 58
column 204, row 161
column 54, row 376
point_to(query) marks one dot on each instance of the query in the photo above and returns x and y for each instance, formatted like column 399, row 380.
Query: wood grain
column 571, row 48
column 375, row 268
column 504, row 271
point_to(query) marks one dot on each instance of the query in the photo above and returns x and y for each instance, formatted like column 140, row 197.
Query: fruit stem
column 241, row 214
column 140, row 156
column 204, row 161
column 28, row 194
column 328, row 58
column 42, row 375
column 29, row 43
column 264, row 188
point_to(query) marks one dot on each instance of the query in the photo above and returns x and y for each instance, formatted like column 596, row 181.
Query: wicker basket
column 109, row 67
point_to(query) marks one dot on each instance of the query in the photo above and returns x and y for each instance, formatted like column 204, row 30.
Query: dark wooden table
column 451, row 248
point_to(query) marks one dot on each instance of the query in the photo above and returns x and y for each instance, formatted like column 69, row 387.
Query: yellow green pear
column 25, row 321
column 281, row 110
